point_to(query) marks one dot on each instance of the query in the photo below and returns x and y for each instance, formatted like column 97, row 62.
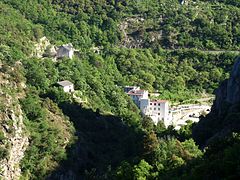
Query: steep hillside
column 218, row 133
column 172, row 25
column 181, row 50
column 22, row 135
column 224, row 117
column 14, row 139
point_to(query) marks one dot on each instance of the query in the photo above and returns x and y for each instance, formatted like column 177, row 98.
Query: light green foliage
column 191, row 149
column 142, row 170
column 178, row 75
column 46, row 138
column 109, row 124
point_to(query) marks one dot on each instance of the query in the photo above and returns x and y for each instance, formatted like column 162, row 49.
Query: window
column 154, row 104
column 159, row 114
column 154, row 108
column 159, row 109
column 159, row 104
column 150, row 108
column 150, row 103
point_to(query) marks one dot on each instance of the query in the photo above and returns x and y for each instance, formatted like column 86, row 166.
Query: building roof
column 65, row 83
column 158, row 101
column 138, row 92
column 67, row 46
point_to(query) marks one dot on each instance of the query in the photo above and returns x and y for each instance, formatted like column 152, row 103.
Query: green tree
column 142, row 170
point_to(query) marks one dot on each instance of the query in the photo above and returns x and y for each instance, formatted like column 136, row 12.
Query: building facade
column 157, row 110
column 65, row 50
column 137, row 94
column 67, row 86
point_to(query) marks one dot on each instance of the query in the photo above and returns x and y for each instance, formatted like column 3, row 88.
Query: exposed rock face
column 43, row 48
column 134, row 33
column 221, row 95
column 225, row 114
column 233, row 85
column 11, row 123
column 229, row 90
column 40, row 47
column 17, row 141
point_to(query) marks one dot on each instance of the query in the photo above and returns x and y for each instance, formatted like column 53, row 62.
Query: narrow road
column 206, row 51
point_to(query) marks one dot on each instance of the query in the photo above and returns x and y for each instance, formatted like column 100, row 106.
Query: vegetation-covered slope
column 111, row 139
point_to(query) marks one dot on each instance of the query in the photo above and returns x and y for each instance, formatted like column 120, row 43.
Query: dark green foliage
column 33, row 108
column 221, row 161
column 186, row 131
column 46, row 141
column 147, row 123
column 113, row 141
column 103, row 141
column 3, row 152
column 2, row 137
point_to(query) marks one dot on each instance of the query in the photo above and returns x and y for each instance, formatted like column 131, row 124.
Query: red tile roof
column 158, row 101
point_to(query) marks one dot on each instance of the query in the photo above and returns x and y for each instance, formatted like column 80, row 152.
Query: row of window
column 155, row 104
column 150, row 115
column 154, row 108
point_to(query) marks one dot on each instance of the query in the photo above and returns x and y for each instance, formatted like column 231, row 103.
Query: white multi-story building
column 137, row 94
column 157, row 110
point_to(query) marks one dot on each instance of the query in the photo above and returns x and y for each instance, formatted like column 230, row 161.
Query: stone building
column 65, row 50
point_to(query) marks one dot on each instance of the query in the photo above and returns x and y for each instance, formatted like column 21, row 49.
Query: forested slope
column 159, row 45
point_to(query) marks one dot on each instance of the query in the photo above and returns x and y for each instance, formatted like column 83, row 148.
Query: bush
column 3, row 153
column 2, row 137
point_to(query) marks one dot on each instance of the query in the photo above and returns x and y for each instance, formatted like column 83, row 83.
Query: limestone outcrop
column 14, row 139
column 228, row 93
column 43, row 48
column 225, row 114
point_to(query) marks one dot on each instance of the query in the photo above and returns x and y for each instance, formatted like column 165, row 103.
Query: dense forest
column 180, row 50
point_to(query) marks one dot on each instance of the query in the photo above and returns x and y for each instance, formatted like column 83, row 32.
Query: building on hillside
column 137, row 94
column 66, row 85
column 129, row 88
column 65, row 50
column 157, row 110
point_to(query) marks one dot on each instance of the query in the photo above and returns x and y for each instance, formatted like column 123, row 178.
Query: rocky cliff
column 14, row 140
column 228, row 93
column 225, row 114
